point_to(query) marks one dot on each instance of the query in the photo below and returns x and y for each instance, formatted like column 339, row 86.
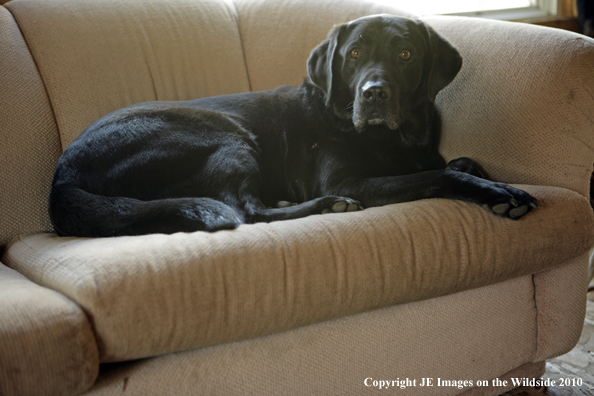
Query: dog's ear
column 320, row 63
column 444, row 62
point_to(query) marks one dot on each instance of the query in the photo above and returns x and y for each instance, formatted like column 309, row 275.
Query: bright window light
column 424, row 7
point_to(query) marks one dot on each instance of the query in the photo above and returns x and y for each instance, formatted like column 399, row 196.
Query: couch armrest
column 522, row 104
column 560, row 296
column 48, row 347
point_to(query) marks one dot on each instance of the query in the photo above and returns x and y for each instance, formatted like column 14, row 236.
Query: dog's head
column 376, row 69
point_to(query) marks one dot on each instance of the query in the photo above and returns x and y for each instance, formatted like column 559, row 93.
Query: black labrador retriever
column 362, row 131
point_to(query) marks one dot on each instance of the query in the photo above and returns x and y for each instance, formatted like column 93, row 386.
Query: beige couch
column 326, row 305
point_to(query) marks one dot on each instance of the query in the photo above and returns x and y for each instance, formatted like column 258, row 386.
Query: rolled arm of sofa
column 523, row 104
column 46, row 342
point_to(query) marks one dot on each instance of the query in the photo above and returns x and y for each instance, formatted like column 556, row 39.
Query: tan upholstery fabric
column 47, row 346
column 496, row 323
column 523, row 102
column 521, row 106
column 277, row 42
column 155, row 294
column 561, row 304
column 97, row 57
column 29, row 144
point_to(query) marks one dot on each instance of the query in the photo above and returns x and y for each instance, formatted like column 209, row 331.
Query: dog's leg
column 76, row 212
column 499, row 198
column 465, row 165
column 330, row 204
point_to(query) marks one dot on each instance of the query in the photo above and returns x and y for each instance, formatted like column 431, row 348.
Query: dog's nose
column 376, row 92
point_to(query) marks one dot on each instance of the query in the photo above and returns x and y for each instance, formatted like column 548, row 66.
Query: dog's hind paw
column 284, row 204
column 341, row 204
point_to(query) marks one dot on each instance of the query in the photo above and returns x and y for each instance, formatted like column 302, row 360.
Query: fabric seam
column 243, row 52
column 536, row 317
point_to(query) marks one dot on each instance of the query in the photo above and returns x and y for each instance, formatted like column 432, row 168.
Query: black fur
column 362, row 126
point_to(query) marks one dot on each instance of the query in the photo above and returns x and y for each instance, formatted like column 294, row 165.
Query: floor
column 575, row 367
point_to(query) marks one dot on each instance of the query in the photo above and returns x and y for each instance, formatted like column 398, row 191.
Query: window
column 498, row 9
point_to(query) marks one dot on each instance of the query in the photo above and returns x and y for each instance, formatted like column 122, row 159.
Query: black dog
column 363, row 126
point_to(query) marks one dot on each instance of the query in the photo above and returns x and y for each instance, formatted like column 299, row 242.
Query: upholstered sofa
column 325, row 305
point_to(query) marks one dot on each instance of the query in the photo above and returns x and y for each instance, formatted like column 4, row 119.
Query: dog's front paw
column 507, row 201
column 340, row 204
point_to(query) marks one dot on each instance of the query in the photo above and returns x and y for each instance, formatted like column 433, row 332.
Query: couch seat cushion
column 155, row 294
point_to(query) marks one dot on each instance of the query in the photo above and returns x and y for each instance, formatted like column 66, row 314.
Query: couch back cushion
column 279, row 35
column 99, row 56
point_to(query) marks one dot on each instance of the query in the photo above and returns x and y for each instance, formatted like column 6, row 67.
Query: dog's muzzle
column 374, row 105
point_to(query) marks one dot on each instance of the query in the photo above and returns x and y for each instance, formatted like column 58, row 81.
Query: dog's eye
column 355, row 53
column 405, row 55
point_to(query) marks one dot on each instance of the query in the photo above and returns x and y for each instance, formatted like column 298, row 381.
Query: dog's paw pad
column 508, row 201
column 518, row 212
column 339, row 207
column 284, row 204
column 353, row 207
column 501, row 209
